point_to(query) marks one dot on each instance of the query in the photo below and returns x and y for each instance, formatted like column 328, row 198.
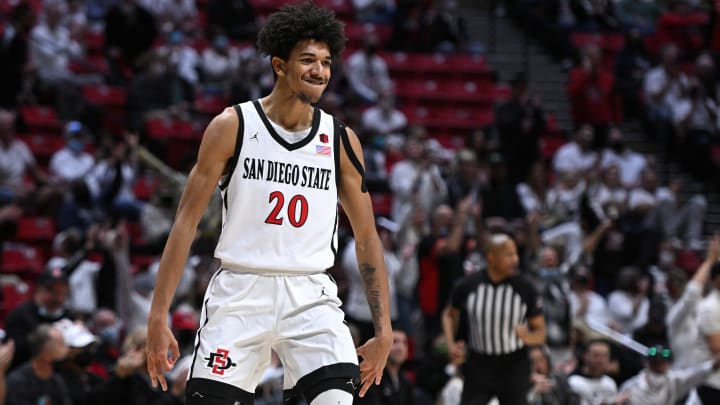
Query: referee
column 503, row 314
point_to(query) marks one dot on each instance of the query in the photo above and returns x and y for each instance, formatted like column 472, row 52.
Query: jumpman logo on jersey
column 322, row 293
column 255, row 137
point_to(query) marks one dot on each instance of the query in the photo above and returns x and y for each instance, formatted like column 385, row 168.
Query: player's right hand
column 160, row 342
column 374, row 353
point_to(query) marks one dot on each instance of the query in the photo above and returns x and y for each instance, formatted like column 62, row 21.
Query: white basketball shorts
column 298, row 316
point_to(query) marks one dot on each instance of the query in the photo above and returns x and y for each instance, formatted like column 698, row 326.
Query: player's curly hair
column 294, row 23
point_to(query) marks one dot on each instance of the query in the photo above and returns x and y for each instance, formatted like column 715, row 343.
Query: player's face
column 307, row 71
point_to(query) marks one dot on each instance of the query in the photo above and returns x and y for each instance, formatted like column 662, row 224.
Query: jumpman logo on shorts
column 322, row 293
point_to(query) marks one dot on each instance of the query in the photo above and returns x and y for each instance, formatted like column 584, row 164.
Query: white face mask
column 656, row 380
column 45, row 313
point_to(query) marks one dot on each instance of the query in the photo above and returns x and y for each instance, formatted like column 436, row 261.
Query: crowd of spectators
column 612, row 249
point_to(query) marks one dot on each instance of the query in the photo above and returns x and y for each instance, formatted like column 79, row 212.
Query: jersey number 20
column 297, row 210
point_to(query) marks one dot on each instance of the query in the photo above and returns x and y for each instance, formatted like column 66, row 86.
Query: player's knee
column 332, row 391
column 333, row 397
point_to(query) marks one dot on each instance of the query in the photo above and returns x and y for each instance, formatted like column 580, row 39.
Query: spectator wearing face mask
column 72, row 162
column 657, row 384
column 629, row 162
column 218, row 63
column 48, row 305
column 108, row 328
column 549, row 280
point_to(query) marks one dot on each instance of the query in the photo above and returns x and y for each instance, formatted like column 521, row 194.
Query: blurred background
column 586, row 130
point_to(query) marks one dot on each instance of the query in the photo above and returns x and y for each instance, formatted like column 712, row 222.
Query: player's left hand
column 374, row 355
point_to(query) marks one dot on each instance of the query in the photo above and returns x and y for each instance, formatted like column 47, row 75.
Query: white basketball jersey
column 280, row 202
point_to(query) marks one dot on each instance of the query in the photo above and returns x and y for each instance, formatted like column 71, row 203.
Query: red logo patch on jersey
column 324, row 138
column 322, row 150
column 219, row 361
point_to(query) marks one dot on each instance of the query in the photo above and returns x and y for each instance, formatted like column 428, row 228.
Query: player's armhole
column 232, row 162
column 341, row 132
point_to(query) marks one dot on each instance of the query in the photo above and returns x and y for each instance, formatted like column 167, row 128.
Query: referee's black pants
column 506, row 377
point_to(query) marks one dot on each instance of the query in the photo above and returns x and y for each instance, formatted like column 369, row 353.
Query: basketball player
column 281, row 165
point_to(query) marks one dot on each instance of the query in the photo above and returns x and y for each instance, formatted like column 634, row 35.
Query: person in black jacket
column 47, row 306
column 395, row 388
column 35, row 381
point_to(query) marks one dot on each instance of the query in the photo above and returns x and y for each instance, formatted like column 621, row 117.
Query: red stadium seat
column 343, row 8
column 464, row 118
column 549, row 145
column 32, row 229
column 105, row 95
column 356, row 32
column 94, row 42
column 159, row 128
column 210, row 104
column 468, row 66
column 14, row 293
column 264, row 7
column 22, row 258
column 145, row 187
column 40, row 117
column 382, row 203
column 43, row 146
column 397, row 62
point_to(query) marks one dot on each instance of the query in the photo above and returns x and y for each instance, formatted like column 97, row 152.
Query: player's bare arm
column 216, row 148
column 358, row 207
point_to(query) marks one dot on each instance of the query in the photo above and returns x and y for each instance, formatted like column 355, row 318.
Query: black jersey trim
column 336, row 144
column 207, row 319
column 351, row 153
column 279, row 139
column 332, row 238
column 232, row 162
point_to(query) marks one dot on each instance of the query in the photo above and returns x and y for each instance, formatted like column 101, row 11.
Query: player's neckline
column 279, row 139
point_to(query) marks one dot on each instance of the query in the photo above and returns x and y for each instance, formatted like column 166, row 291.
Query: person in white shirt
column 181, row 57
column 682, row 316
column 709, row 321
column 619, row 154
column 628, row 305
column 219, row 63
column 586, row 305
column 356, row 304
column 592, row 385
column 664, row 85
column 384, row 118
column 415, row 180
column 608, row 199
column 172, row 14
column 657, row 384
column 72, row 162
column 662, row 211
column 367, row 72
column 51, row 45
column 16, row 160
column 576, row 155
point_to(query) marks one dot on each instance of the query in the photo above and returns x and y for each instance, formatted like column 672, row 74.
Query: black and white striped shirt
column 492, row 311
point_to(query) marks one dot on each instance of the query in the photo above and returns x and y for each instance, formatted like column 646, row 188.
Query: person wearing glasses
column 658, row 384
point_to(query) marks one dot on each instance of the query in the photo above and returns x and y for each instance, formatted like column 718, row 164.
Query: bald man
column 504, row 316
